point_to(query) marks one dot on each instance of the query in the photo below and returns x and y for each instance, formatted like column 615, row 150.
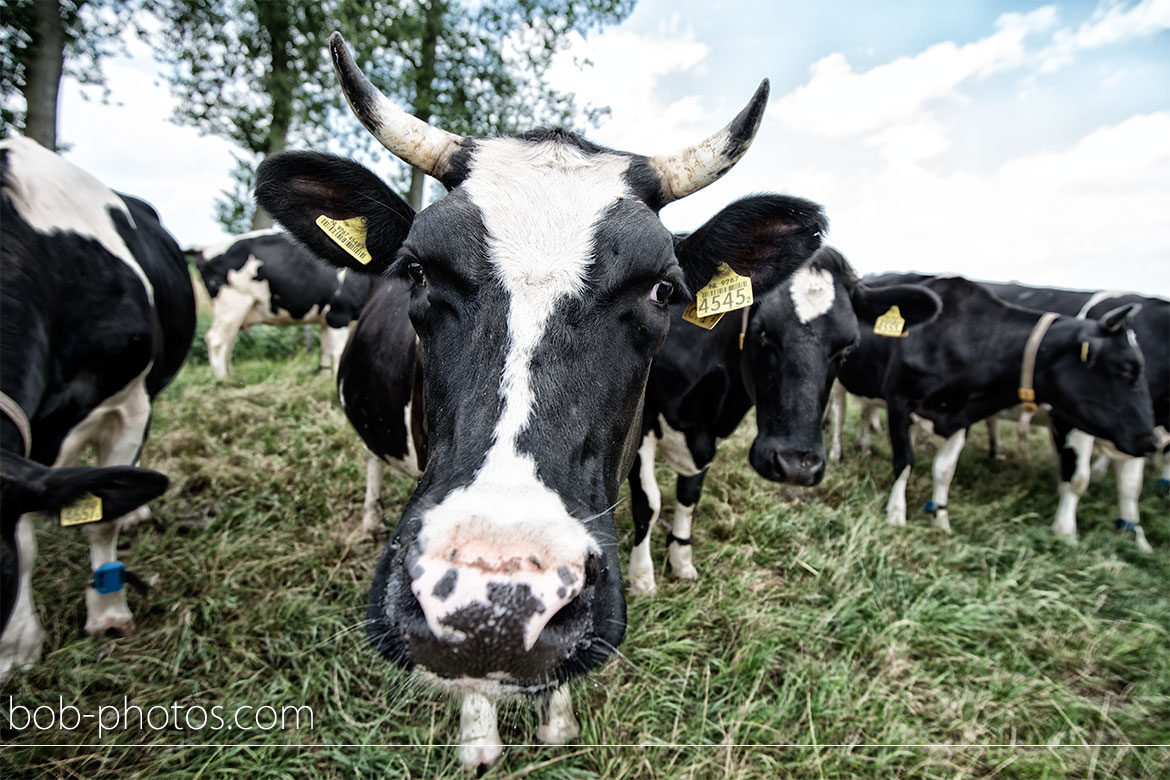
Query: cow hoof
column 642, row 586
column 559, row 731
column 687, row 572
column 941, row 521
column 107, row 612
column 896, row 518
column 1068, row 538
column 133, row 519
column 21, row 648
column 480, row 755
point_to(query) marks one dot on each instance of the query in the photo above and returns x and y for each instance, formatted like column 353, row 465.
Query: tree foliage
column 45, row 40
column 258, row 73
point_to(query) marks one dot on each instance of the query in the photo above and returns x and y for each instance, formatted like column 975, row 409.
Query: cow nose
column 481, row 601
column 800, row 467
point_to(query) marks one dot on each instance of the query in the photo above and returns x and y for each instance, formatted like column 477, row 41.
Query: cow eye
column 415, row 272
column 662, row 292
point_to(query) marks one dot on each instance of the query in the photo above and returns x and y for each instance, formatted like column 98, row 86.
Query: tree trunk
column 43, row 73
column 424, row 85
column 275, row 18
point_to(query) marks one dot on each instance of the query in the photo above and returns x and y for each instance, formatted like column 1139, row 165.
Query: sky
column 1021, row 141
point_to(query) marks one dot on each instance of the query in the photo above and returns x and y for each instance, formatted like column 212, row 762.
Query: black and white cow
column 96, row 317
column 968, row 365
column 703, row 382
column 379, row 382
column 1151, row 327
column 538, row 289
column 266, row 278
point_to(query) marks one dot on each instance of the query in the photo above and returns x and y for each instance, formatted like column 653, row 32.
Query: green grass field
column 818, row 643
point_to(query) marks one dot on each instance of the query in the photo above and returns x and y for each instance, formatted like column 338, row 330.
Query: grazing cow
column 982, row 355
column 538, row 289
column 1151, row 326
column 265, row 278
column 97, row 316
column 379, row 381
column 703, row 382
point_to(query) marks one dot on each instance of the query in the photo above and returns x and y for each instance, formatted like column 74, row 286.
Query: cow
column 265, row 278
column 379, row 382
column 781, row 355
column 538, row 290
column 983, row 355
column 97, row 317
column 1151, row 326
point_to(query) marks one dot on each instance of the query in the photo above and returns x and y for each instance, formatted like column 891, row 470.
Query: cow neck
column 19, row 418
column 1028, row 367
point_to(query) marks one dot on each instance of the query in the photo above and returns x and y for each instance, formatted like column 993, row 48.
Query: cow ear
column 337, row 208
column 1113, row 321
column 765, row 237
column 917, row 305
column 28, row 486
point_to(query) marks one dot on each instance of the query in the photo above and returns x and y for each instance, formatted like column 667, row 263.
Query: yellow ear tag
column 87, row 509
column 350, row 235
column 727, row 291
column 1084, row 352
column 890, row 324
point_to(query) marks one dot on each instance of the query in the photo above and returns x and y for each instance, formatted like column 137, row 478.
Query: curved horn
column 695, row 167
column 410, row 139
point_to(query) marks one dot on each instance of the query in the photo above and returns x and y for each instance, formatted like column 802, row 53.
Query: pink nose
column 469, row 598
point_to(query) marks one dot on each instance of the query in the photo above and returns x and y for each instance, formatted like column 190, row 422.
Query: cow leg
column 229, row 309
column 333, row 342
column 898, row 419
column 870, row 422
column 1023, row 424
column 1100, row 467
column 645, row 504
column 993, row 450
column 838, row 401
column 372, row 512
column 20, row 645
column 1074, row 480
column 120, row 445
column 479, row 736
column 1130, row 471
column 945, row 461
column 679, row 544
column 1163, row 457
column 558, row 725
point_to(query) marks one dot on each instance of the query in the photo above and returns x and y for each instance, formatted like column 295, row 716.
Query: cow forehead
column 541, row 203
column 812, row 291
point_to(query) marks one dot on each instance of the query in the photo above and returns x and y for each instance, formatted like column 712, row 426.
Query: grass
column 995, row 651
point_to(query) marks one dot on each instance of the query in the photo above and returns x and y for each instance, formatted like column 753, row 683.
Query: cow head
column 27, row 486
column 798, row 335
column 1094, row 378
column 539, row 291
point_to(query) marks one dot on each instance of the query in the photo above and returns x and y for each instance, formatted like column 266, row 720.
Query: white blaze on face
column 541, row 204
column 812, row 293
column 52, row 194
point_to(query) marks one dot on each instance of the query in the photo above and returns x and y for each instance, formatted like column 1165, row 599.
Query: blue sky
column 999, row 140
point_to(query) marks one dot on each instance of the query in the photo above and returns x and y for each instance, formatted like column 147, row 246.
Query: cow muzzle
column 514, row 616
column 787, row 464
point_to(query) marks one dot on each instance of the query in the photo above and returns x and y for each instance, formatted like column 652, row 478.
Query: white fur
column 896, row 506
column 23, row 637
column 681, row 562
column 558, row 725
column 838, row 399
column 1130, row 471
column 675, row 451
column 372, row 505
column 53, row 195
column 945, row 461
column 1065, row 524
column 812, row 293
column 641, row 570
column 479, row 736
column 212, row 251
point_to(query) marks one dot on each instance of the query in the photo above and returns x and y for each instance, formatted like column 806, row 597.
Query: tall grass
column 818, row 642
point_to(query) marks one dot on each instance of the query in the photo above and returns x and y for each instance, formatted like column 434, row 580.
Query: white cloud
column 1110, row 23
column 838, row 101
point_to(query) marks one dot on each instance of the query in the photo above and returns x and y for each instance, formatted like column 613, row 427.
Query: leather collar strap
column 1028, row 369
column 19, row 418
column 743, row 326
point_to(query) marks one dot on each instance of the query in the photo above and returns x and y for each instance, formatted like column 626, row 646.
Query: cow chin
column 484, row 647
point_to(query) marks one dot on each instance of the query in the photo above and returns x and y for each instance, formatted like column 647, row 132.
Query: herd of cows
column 520, row 348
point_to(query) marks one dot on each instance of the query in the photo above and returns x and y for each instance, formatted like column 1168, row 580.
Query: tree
column 258, row 73
column 44, row 40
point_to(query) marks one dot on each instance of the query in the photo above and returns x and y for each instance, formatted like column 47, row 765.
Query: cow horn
column 410, row 139
column 695, row 167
